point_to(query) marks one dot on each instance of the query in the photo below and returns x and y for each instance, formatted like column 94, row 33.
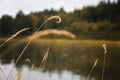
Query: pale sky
column 11, row 7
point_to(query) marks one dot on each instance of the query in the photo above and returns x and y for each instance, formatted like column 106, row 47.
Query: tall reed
column 19, row 74
column 53, row 17
column 52, row 31
column 104, row 60
column 43, row 62
column 28, row 43
column 14, row 35
column 95, row 63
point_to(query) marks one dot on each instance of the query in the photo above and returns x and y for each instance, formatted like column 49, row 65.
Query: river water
column 66, row 60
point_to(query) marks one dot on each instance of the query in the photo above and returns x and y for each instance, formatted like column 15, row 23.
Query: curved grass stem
column 53, row 17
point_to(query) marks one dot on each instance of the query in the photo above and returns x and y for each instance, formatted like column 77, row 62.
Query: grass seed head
column 55, row 17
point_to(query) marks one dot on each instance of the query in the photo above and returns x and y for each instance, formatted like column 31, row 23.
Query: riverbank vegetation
column 91, row 22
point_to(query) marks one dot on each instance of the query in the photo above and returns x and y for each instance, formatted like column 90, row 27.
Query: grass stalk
column 43, row 62
column 14, row 35
column 95, row 63
column 28, row 43
column 104, row 60
column 2, row 72
column 19, row 74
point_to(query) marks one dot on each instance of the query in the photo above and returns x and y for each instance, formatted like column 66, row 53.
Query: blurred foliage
column 96, row 22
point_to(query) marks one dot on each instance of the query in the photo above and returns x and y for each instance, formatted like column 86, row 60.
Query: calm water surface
column 36, row 74
column 67, row 60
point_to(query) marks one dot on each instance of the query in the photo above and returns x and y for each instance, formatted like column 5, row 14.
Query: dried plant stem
column 92, row 68
column 18, row 59
column 104, row 60
column 1, row 71
column 14, row 35
column 21, row 69
column 56, row 17
column 54, row 32
column 34, row 35
column 19, row 74
column 53, row 17
column 43, row 62
column 23, row 51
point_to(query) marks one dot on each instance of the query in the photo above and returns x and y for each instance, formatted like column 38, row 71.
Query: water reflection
column 73, row 58
column 37, row 74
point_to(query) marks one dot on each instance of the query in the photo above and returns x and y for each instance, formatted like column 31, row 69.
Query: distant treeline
column 91, row 22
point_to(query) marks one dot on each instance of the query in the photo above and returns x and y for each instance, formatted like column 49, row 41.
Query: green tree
column 7, row 26
column 23, row 21
column 102, row 11
column 88, row 14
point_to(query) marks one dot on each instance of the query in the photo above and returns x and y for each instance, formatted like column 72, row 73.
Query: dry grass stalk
column 58, row 20
column 14, row 35
column 43, row 62
column 19, row 74
column 45, row 57
column 105, row 48
column 96, row 61
column 104, row 61
column 53, row 17
column 52, row 31
column 1, row 71
column 28, row 60
column 32, row 67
